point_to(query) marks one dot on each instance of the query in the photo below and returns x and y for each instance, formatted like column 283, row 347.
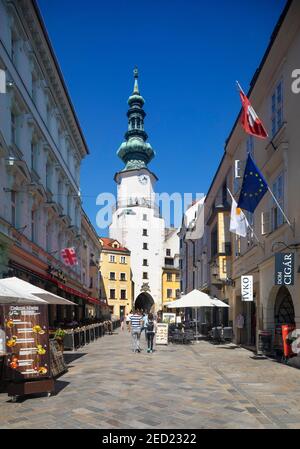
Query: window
column 34, row 154
column 34, row 226
column 112, row 258
column 49, row 177
column 122, row 276
column 112, row 276
column 60, row 192
column 112, row 293
column 123, row 259
column 91, row 282
column 145, row 262
column 224, row 266
column 169, row 293
column 48, row 236
column 250, row 146
column 277, row 108
column 13, row 208
column 145, row 232
column 169, row 261
column 177, row 293
column 123, row 294
column 14, row 43
column 169, row 277
column 177, row 277
column 276, row 215
column 168, row 252
column 145, row 275
column 145, row 217
column 13, row 128
column 145, row 245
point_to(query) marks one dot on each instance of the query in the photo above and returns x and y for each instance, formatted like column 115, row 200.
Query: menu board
column 57, row 361
column 26, row 341
column 162, row 334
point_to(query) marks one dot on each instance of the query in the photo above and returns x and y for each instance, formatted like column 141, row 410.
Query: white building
column 136, row 222
column 41, row 149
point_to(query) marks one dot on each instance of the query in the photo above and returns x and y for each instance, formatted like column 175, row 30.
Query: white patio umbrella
column 11, row 296
column 21, row 286
column 218, row 303
column 193, row 299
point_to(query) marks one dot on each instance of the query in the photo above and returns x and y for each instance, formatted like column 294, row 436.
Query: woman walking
column 150, row 332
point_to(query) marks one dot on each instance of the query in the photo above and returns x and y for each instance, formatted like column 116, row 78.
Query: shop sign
column 247, row 288
column 284, row 268
column 169, row 318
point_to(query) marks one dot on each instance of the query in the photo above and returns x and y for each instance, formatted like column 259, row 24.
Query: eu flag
column 253, row 188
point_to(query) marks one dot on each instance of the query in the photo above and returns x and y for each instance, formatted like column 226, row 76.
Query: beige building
column 116, row 276
column 278, row 105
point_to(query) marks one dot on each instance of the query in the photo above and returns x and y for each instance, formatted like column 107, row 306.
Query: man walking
column 135, row 325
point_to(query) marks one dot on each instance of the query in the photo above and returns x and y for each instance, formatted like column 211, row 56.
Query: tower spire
column 136, row 86
column 135, row 152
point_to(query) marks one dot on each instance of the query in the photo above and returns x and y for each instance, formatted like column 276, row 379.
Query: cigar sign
column 247, row 288
column 284, row 268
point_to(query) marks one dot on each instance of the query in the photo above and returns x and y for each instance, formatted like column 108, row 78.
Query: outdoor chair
column 177, row 337
column 227, row 333
column 188, row 336
column 216, row 334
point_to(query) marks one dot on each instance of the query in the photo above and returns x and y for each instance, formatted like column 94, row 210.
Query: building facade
column 136, row 221
column 41, row 150
column 115, row 267
column 227, row 256
column 170, row 270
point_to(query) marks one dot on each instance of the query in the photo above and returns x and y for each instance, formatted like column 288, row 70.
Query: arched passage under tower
column 144, row 302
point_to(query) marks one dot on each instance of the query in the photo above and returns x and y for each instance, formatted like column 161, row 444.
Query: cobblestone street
column 196, row 386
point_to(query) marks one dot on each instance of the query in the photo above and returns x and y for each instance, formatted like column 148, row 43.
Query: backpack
column 150, row 326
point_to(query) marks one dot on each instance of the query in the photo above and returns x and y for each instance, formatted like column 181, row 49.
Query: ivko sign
column 284, row 268
column 247, row 288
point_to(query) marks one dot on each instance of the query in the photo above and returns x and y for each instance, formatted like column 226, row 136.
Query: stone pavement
column 182, row 387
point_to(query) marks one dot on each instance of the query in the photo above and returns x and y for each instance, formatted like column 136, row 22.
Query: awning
column 58, row 284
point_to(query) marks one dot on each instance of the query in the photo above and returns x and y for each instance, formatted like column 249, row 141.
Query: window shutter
column 265, row 223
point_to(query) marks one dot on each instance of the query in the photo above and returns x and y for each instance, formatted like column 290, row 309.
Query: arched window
column 284, row 308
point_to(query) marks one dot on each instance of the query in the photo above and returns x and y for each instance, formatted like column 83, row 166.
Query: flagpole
column 240, row 88
column 280, row 208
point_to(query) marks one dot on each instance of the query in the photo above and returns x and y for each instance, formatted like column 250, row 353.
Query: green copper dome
column 135, row 152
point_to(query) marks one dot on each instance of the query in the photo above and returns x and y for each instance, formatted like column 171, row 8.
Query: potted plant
column 59, row 337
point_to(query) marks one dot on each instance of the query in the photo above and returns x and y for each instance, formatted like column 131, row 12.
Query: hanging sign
column 284, row 268
column 247, row 288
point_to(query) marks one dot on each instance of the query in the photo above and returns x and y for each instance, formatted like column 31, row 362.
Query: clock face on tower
column 143, row 179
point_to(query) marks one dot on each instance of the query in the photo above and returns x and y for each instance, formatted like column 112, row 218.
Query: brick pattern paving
column 182, row 387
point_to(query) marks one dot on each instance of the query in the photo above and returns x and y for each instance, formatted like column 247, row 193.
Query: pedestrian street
column 201, row 386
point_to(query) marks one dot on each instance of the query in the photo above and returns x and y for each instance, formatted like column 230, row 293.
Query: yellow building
column 116, row 276
column 170, row 285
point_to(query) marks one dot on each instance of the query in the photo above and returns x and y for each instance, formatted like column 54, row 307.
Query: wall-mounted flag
column 69, row 256
column 250, row 120
column 238, row 221
column 254, row 186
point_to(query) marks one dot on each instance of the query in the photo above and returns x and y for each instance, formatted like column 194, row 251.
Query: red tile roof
column 107, row 245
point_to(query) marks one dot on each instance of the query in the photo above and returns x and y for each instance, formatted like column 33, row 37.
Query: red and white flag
column 250, row 120
column 69, row 256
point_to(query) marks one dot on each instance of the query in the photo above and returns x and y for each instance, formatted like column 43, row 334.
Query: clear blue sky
column 189, row 54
